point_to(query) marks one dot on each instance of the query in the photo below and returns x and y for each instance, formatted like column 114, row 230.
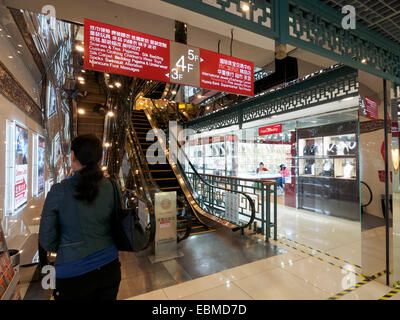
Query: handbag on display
column 127, row 232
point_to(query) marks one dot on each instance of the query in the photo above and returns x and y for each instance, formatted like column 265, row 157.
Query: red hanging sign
column 276, row 128
column 370, row 108
column 118, row 50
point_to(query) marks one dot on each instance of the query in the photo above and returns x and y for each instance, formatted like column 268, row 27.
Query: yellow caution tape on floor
column 322, row 252
column 323, row 260
column 390, row 294
column 356, row 286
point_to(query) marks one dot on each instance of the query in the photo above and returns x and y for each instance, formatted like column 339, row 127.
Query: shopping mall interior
column 256, row 142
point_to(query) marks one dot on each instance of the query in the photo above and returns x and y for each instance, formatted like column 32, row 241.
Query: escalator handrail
column 183, row 174
column 253, row 211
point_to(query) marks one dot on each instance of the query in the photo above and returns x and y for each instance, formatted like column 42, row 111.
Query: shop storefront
column 313, row 155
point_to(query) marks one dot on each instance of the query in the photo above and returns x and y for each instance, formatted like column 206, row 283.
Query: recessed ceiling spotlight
column 118, row 84
column 107, row 144
column 19, row 45
column 364, row 60
column 84, row 71
column 81, row 111
column 173, row 91
column 199, row 95
column 80, row 48
column 10, row 57
column 104, row 168
column 110, row 86
column 110, row 114
column 245, row 7
column 80, row 78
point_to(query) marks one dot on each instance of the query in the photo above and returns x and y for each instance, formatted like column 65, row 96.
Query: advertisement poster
column 56, row 149
column 21, row 167
column 41, row 156
column 51, row 100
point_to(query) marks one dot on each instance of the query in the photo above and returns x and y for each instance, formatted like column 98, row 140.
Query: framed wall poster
column 56, row 152
column 41, row 163
column 51, row 100
column 21, row 166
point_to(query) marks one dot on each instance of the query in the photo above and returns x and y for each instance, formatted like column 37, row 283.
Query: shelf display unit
column 328, row 169
column 9, row 277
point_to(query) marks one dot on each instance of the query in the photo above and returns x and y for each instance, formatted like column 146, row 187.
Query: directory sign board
column 118, row 50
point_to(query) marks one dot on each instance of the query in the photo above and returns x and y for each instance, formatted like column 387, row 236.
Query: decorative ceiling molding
column 333, row 84
column 14, row 91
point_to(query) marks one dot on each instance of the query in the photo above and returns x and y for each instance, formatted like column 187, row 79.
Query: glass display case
column 328, row 169
column 329, row 156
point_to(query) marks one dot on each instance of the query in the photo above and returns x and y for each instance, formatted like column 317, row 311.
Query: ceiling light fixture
column 81, row 78
column 107, row 144
column 110, row 86
column 84, row 71
column 104, row 168
column 118, row 84
column 245, row 7
column 364, row 60
column 80, row 48
column 110, row 114
column 81, row 111
column 173, row 92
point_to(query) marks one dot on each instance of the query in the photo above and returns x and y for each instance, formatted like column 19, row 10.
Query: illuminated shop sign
column 117, row 50
column 274, row 129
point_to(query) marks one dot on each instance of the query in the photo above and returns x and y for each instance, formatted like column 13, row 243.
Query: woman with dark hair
column 75, row 224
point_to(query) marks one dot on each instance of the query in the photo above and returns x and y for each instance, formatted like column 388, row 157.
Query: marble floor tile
column 195, row 286
column 278, row 284
column 227, row 291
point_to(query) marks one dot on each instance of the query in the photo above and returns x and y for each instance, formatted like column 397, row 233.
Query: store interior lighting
column 245, row 7
column 80, row 48
column 81, row 111
column 118, row 84
column 110, row 114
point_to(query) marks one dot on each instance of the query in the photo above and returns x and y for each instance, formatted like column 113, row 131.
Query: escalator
column 165, row 179
column 196, row 213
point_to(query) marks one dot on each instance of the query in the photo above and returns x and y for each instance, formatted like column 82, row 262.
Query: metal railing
column 200, row 208
column 260, row 191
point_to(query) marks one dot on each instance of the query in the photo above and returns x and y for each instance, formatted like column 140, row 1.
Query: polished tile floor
column 224, row 265
column 297, row 272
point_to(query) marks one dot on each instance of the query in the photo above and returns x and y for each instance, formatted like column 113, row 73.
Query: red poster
column 276, row 128
column 370, row 108
column 122, row 51
column 224, row 73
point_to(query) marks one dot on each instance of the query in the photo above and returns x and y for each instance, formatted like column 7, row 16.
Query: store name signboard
column 274, row 129
column 117, row 50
